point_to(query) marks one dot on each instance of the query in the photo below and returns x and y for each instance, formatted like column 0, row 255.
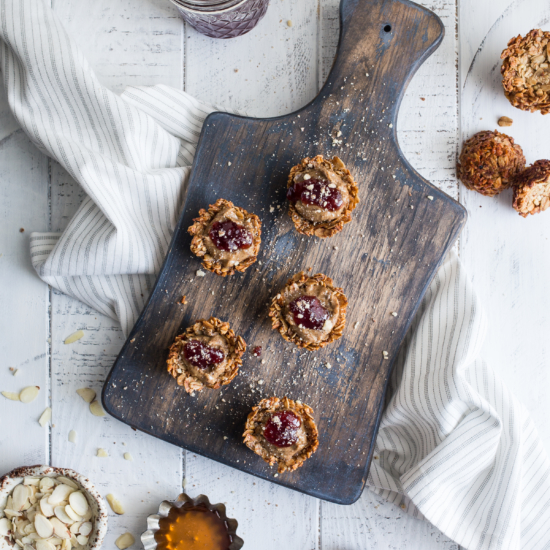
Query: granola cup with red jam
column 322, row 195
column 208, row 354
column 310, row 311
column 226, row 237
column 283, row 432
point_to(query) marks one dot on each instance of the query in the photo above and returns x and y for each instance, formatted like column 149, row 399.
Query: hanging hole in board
column 387, row 28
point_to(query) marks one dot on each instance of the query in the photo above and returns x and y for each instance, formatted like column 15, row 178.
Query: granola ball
column 526, row 71
column 488, row 162
column 532, row 189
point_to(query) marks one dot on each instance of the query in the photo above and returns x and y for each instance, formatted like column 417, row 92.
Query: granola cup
column 255, row 441
column 278, row 321
column 199, row 231
column 489, row 161
column 182, row 373
column 526, row 71
column 532, row 189
column 328, row 228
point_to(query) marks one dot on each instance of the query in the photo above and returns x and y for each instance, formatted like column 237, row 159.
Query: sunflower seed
column 29, row 394
column 96, row 409
column 125, row 541
column 74, row 337
column 87, row 394
column 115, row 505
column 45, row 417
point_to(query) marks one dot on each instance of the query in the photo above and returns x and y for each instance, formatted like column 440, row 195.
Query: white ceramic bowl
column 96, row 502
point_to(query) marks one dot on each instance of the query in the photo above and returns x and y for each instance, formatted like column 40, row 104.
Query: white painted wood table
column 273, row 70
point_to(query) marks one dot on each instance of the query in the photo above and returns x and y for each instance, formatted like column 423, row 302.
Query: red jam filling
column 257, row 351
column 202, row 356
column 230, row 236
column 316, row 192
column 281, row 429
column 308, row 312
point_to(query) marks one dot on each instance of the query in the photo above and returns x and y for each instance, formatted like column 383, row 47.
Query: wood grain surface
column 384, row 261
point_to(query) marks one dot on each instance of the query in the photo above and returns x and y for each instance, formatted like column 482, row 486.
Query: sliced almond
column 44, row 545
column 5, row 527
column 125, row 541
column 66, row 544
column 79, row 503
column 60, row 493
column 102, row 453
column 75, row 527
column 75, row 336
column 29, row 480
column 46, row 483
column 72, row 436
column 60, row 529
column 87, row 394
column 29, row 394
column 115, row 505
column 72, row 514
column 68, row 481
column 45, row 417
column 60, row 513
column 43, row 526
column 11, row 395
column 128, row 456
column 85, row 528
column 82, row 540
column 88, row 515
column 96, row 409
column 46, row 508
column 20, row 495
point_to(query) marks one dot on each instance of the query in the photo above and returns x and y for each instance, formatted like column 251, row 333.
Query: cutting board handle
column 382, row 44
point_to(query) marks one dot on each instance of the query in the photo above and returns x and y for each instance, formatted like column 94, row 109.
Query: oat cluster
column 532, row 189
column 489, row 161
column 526, row 71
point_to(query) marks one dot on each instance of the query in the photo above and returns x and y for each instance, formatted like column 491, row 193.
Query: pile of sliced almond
column 47, row 513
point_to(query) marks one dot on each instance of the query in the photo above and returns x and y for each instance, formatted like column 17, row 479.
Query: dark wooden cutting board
column 384, row 260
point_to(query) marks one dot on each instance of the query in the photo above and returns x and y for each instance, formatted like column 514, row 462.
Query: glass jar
column 222, row 18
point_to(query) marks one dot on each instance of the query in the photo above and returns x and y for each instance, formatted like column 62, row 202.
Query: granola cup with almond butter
column 322, row 195
column 226, row 237
column 489, row 161
column 526, row 71
column 310, row 311
column 532, row 189
column 208, row 354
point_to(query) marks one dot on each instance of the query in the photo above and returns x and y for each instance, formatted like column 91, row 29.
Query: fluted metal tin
column 148, row 538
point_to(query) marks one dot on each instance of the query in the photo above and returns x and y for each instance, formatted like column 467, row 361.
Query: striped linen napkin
column 454, row 447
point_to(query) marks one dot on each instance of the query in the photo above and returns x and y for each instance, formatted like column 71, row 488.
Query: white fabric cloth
column 454, row 447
